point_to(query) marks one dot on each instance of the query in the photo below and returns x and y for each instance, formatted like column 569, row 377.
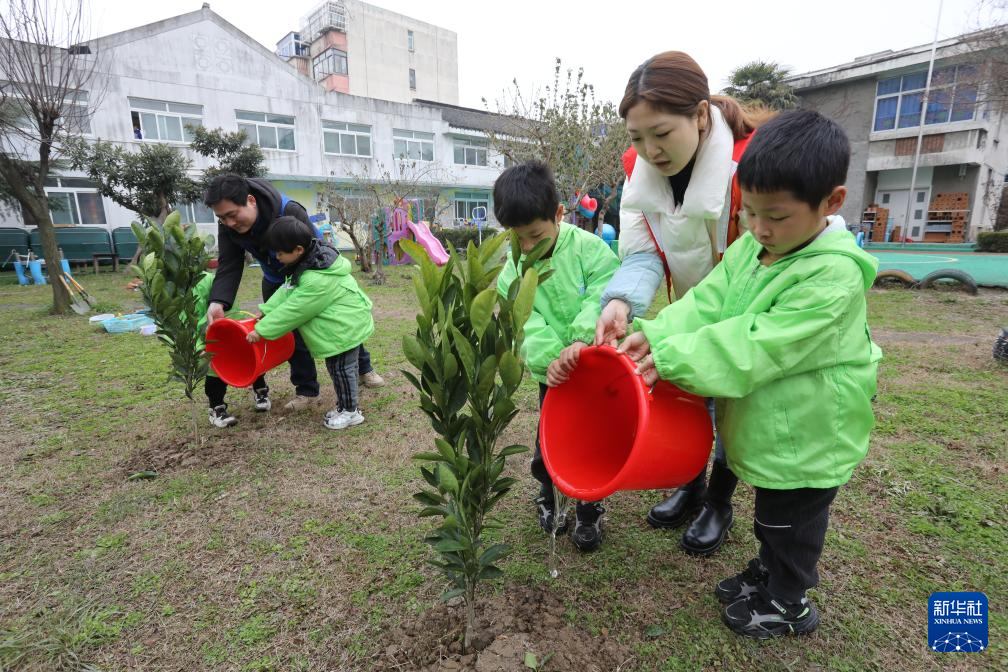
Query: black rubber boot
column 676, row 510
column 709, row 530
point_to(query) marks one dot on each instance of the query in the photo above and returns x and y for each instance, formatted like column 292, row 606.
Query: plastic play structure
column 29, row 268
column 400, row 225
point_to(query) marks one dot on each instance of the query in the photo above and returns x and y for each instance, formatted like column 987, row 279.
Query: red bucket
column 238, row 362
column 604, row 430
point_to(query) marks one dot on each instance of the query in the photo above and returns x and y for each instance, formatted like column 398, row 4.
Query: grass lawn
column 281, row 545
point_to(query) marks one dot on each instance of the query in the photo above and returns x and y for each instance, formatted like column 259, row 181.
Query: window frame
column 409, row 139
column 269, row 122
column 343, row 129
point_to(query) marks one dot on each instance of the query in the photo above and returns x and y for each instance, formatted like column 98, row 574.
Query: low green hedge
column 992, row 241
column 459, row 238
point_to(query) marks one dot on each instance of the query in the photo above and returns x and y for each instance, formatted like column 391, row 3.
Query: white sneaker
column 262, row 400
column 372, row 379
column 335, row 419
column 219, row 417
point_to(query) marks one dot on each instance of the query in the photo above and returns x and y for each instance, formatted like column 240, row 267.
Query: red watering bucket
column 604, row 430
column 238, row 362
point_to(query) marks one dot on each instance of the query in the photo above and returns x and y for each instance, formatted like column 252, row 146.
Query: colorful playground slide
column 421, row 233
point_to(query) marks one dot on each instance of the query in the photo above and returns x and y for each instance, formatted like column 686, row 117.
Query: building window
column 346, row 139
column 164, row 121
column 74, row 201
column 269, row 131
column 330, row 62
column 470, row 152
column 409, row 40
column 899, row 100
column 470, row 206
column 292, row 46
column 78, row 120
column 195, row 212
column 413, row 145
column 412, row 79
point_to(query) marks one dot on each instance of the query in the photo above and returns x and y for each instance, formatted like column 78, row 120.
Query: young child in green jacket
column 778, row 333
column 564, row 310
column 321, row 299
column 215, row 388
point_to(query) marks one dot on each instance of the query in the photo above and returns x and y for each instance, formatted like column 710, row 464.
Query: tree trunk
column 50, row 252
column 363, row 255
column 470, row 625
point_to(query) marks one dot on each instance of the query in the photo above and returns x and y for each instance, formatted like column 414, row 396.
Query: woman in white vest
column 677, row 216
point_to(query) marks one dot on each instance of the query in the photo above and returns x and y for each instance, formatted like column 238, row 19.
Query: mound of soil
column 510, row 625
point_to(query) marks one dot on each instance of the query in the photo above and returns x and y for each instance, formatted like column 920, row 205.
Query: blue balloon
column 608, row 233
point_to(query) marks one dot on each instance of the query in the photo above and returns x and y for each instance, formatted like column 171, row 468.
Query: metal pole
column 920, row 134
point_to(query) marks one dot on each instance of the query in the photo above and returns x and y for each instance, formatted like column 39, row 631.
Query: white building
column 356, row 48
column 878, row 99
column 197, row 68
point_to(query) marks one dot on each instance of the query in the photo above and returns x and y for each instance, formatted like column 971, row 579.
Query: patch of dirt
column 163, row 457
column 510, row 625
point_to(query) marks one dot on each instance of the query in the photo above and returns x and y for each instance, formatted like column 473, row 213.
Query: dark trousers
column 343, row 371
column 538, row 466
column 216, row 388
column 791, row 527
column 303, row 375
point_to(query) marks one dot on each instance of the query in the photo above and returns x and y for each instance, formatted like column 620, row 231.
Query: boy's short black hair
column 228, row 187
column 525, row 193
column 286, row 233
column 799, row 151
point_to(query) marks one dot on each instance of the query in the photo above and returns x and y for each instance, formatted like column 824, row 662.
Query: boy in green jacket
column 778, row 333
column 213, row 386
column 321, row 299
column 564, row 310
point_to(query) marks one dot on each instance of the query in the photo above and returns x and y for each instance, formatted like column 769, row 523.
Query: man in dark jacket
column 246, row 208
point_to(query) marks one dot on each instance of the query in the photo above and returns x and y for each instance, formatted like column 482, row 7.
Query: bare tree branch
column 46, row 70
column 581, row 139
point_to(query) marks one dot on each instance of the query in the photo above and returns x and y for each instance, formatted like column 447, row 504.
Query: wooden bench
column 99, row 256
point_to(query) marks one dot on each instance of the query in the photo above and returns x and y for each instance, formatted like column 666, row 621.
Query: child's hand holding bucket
column 637, row 348
column 560, row 368
column 253, row 337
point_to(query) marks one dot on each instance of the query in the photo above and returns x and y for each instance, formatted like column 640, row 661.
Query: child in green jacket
column 778, row 333
column 564, row 311
column 321, row 299
column 213, row 386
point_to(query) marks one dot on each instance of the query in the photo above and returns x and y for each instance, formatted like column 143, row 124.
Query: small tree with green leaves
column 171, row 264
column 230, row 151
column 469, row 363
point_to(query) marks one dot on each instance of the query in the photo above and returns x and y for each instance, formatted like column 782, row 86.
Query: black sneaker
column 742, row 584
column 547, row 509
column 761, row 617
column 587, row 534
column 262, row 400
column 219, row 417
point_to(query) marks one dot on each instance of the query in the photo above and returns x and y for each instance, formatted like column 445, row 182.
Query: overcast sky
column 501, row 41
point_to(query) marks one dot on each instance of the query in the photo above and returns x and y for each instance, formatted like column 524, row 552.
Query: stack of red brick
column 878, row 218
column 952, row 208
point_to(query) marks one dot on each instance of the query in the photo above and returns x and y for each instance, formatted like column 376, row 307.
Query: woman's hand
column 612, row 323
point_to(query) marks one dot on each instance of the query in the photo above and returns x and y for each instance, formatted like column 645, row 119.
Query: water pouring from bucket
column 604, row 430
column 238, row 362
